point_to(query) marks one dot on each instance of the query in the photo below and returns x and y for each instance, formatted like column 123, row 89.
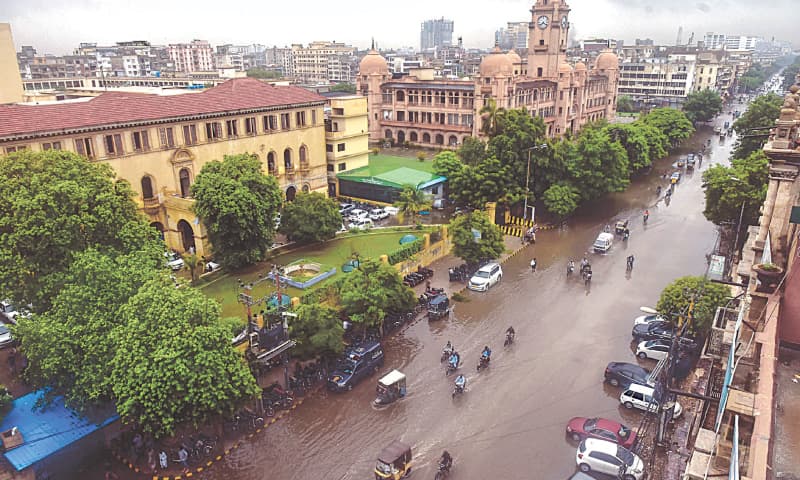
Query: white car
column 8, row 311
column 607, row 457
column 174, row 261
column 486, row 277
column 358, row 214
column 642, row 397
column 391, row 210
column 361, row 224
column 653, row 349
column 641, row 319
column 377, row 214
column 5, row 336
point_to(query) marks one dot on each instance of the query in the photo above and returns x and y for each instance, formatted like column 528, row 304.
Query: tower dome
column 607, row 60
column 496, row 63
column 514, row 57
column 373, row 62
column 580, row 67
column 564, row 68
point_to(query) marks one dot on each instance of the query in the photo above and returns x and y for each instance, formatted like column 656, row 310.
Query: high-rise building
column 515, row 36
column 714, row 41
column 10, row 80
column 323, row 62
column 196, row 56
column 436, row 33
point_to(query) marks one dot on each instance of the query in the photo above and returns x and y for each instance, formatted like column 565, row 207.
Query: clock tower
column 547, row 38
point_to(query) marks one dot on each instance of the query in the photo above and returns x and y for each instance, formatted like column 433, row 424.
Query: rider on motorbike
column 454, row 359
column 448, row 349
column 486, row 354
column 461, row 383
column 570, row 266
column 646, row 215
column 446, row 461
column 510, row 332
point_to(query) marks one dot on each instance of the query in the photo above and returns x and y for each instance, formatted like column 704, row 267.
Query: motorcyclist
column 446, row 461
column 461, row 382
column 658, row 190
column 486, row 354
column 448, row 348
column 570, row 266
column 510, row 333
column 646, row 215
column 453, row 361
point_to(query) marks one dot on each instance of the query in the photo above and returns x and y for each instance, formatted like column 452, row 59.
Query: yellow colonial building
column 159, row 143
column 346, row 136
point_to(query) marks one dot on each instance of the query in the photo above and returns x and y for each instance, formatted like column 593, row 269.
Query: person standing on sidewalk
column 533, row 264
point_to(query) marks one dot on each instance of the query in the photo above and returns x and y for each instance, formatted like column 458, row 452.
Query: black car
column 653, row 331
column 357, row 364
column 621, row 374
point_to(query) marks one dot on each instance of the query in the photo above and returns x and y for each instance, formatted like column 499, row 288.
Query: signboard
column 476, row 235
column 716, row 269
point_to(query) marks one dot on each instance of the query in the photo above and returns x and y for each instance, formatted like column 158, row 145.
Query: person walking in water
column 533, row 264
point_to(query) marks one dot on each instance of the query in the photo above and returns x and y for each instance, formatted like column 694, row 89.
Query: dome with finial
column 580, row 67
column 373, row 62
column 496, row 63
column 607, row 60
column 564, row 68
column 514, row 56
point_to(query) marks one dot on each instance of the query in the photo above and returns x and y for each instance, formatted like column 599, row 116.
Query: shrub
column 405, row 252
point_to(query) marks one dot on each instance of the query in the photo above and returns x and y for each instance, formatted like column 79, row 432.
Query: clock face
column 564, row 22
column 542, row 22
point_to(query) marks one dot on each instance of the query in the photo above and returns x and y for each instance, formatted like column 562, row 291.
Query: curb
column 217, row 458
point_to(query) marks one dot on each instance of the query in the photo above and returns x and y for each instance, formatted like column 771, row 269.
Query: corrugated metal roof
column 46, row 431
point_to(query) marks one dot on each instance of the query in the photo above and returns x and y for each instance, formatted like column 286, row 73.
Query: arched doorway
column 413, row 137
column 187, row 235
column 306, row 188
column 291, row 192
column 160, row 227
column 186, row 182
column 401, row 137
column 147, row 187
column 426, row 138
column 387, row 134
column 439, row 139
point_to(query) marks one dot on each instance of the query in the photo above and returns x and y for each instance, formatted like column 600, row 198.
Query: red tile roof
column 113, row 108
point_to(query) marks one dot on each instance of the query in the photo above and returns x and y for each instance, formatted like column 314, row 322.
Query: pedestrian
column 151, row 460
column 183, row 457
column 162, row 460
column 533, row 264
column 630, row 262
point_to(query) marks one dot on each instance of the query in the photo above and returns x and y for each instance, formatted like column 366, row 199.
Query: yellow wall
column 10, row 80
column 348, row 117
column 164, row 164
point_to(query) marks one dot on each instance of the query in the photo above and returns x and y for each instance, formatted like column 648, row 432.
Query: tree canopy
column 470, row 248
column 412, row 200
column 237, row 203
column 643, row 143
column 752, row 127
column 317, row 331
column 702, row 105
column 311, row 217
column 54, row 205
column 561, row 199
column 728, row 188
column 175, row 363
column 708, row 296
column 261, row 73
column 371, row 291
column 344, row 87
column 597, row 164
column 672, row 123
column 625, row 104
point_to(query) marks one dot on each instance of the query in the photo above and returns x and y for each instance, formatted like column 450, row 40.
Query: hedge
column 405, row 252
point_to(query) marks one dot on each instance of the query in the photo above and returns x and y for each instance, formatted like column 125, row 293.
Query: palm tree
column 412, row 200
column 193, row 263
column 490, row 114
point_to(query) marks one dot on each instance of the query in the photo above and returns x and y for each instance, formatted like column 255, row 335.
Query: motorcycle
column 570, row 270
column 450, row 369
column 483, row 363
column 509, row 339
column 443, row 472
column 645, row 217
column 457, row 390
column 446, row 352
column 587, row 277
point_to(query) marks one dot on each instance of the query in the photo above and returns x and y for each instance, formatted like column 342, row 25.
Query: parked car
column 377, row 214
column 360, row 224
column 174, row 261
column 580, row 428
column 653, row 331
column 648, row 318
column 345, row 208
column 486, row 277
column 653, row 349
column 357, row 364
column 391, row 210
column 623, row 374
column 609, row 458
column 643, row 398
column 8, row 311
column 5, row 336
column 358, row 214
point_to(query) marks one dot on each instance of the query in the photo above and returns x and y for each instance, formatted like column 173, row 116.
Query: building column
column 786, row 197
column 766, row 215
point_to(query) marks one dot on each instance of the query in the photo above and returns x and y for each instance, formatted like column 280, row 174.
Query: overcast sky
column 57, row 26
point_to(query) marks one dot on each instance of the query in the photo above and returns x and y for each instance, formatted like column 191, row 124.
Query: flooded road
column 510, row 422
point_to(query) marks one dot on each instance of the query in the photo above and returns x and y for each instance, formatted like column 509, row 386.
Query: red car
column 580, row 428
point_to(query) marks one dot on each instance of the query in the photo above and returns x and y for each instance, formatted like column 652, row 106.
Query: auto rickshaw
column 681, row 161
column 391, row 387
column 438, row 307
column 620, row 227
column 394, row 462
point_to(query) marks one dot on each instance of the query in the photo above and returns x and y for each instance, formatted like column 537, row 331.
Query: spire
column 373, row 43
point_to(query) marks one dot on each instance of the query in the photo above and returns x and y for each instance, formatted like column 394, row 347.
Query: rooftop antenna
column 373, row 43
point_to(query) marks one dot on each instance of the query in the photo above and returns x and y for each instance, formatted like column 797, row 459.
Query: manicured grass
column 380, row 163
column 333, row 253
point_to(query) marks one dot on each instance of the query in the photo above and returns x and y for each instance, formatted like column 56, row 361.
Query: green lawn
column 380, row 163
column 334, row 253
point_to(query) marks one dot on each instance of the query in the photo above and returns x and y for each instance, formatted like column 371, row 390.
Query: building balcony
column 176, row 202
column 304, row 167
column 151, row 205
column 427, row 126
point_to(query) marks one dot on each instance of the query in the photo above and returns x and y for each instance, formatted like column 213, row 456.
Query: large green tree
column 625, row 104
column 54, row 205
column 472, row 151
column 561, row 199
column 317, row 331
column 702, row 105
column 175, row 363
column 706, row 297
column 490, row 113
column 237, row 203
column 597, row 164
column 70, row 346
column 371, row 291
column 672, row 123
column 643, row 143
column 752, row 127
column 311, row 217
column 467, row 245
column 729, row 189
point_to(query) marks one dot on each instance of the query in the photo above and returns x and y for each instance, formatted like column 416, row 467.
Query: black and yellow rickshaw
column 620, row 227
column 394, row 462
column 438, row 307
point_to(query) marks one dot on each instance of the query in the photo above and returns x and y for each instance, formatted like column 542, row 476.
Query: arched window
column 147, row 187
column 185, row 181
column 439, row 139
column 401, row 96
column 426, row 138
column 291, row 192
column 302, row 154
column 287, row 159
column 413, row 137
column 387, row 134
column 401, row 137
column 306, row 188
column 452, row 141
column 271, row 167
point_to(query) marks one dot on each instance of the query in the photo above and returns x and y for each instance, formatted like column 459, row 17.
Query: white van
column 642, row 397
column 603, row 242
